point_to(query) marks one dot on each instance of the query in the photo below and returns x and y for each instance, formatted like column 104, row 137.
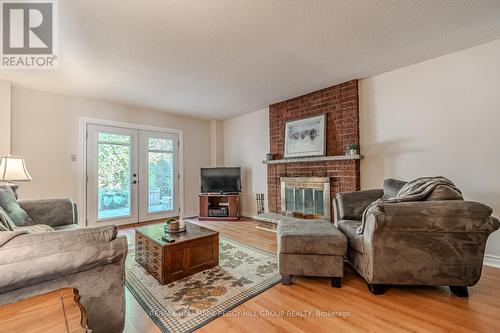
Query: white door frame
column 82, row 155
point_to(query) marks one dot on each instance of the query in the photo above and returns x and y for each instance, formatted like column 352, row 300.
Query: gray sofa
column 89, row 259
column 436, row 243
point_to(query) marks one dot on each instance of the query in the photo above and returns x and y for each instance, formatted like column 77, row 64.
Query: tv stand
column 219, row 207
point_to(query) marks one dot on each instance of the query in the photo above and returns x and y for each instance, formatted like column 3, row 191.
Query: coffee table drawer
column 149, row 255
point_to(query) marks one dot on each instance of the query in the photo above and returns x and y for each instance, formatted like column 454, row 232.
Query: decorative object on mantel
column 305, row 137
column 13, row 169
column 269, row 157
column 260, row 203
column 352, row 149
column 315, row 159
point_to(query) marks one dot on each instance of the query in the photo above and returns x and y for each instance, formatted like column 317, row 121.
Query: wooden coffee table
column 193, row 251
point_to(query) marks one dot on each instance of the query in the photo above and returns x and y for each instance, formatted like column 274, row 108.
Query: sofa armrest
column 351, row 205
column 34, row 258
column 433, row 216
column 53, row 212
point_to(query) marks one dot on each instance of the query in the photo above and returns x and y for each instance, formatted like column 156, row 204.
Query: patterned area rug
column 188, row 304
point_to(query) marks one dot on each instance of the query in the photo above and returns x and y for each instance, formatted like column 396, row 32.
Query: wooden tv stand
column 217, row 201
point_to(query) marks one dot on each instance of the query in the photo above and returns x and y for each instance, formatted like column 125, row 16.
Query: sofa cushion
column 310, row 237
column 71, row 226
column 10, row 205
column 349, row 227
column 45, row 243
column 351, row 205
column 392, row 187
column 53, row 212
column 34, row 258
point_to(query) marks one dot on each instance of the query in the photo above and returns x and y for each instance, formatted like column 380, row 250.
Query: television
column 220, row 180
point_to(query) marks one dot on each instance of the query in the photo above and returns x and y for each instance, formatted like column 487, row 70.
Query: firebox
column 308, row 195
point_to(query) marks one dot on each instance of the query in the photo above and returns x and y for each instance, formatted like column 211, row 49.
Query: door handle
column 134, row 182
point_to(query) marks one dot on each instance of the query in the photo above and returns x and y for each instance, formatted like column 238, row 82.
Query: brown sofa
column 89, row 259
column 436, row 243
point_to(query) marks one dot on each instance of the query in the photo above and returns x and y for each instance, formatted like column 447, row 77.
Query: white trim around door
column 82, row 155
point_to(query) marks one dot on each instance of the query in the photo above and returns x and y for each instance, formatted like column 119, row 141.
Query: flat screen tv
column 220, row 180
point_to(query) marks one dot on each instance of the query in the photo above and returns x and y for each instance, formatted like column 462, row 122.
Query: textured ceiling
column 221, row 58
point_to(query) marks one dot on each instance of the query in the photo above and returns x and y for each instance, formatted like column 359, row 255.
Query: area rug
column 186, row 305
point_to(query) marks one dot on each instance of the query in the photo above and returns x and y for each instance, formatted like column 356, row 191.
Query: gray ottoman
column 311, row 248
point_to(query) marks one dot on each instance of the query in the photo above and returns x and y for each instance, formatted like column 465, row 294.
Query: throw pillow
column 10, row 205
column 5, row 221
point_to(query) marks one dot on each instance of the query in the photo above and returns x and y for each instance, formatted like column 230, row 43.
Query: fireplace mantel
column 314, row 159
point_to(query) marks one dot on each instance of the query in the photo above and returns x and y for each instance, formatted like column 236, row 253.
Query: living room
column 242, row 166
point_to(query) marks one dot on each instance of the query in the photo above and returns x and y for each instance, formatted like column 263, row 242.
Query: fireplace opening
column 307, row 195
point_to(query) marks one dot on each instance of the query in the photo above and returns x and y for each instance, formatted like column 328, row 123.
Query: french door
column 132, row 175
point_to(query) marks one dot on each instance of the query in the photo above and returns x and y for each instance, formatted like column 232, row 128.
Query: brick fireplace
column 340, row 104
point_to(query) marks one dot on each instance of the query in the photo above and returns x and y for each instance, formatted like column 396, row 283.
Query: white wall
column 439, row 117
column 216, row 143
column 5, row 117
column 45, row 132
column 246, row 143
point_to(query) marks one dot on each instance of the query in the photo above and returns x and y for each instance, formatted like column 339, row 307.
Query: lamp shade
column 13, row 169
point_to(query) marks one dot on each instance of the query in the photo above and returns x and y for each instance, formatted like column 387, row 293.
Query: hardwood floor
column 284, row 308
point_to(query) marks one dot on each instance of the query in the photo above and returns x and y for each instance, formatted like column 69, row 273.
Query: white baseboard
column 491, row 260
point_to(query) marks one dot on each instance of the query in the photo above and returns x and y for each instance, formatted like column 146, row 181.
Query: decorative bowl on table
column 174, row 226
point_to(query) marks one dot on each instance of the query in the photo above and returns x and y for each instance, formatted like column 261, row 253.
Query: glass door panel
column 159, row 175
column 113, row 175
column 299, row 200
column 308, row 201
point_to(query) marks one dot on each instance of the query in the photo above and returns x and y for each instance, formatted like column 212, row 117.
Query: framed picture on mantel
column 305, row 137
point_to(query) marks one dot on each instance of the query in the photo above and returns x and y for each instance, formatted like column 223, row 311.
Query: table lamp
column 13, row 169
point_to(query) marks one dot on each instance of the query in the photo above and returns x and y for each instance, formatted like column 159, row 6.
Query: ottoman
column 311, row 248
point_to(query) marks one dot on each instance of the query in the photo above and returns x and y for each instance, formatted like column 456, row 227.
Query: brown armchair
column 436, row 243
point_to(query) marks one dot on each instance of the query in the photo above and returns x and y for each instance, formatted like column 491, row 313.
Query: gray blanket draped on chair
column 415, row 190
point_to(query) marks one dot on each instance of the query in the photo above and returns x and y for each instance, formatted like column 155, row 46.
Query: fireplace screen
column 309, row 195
